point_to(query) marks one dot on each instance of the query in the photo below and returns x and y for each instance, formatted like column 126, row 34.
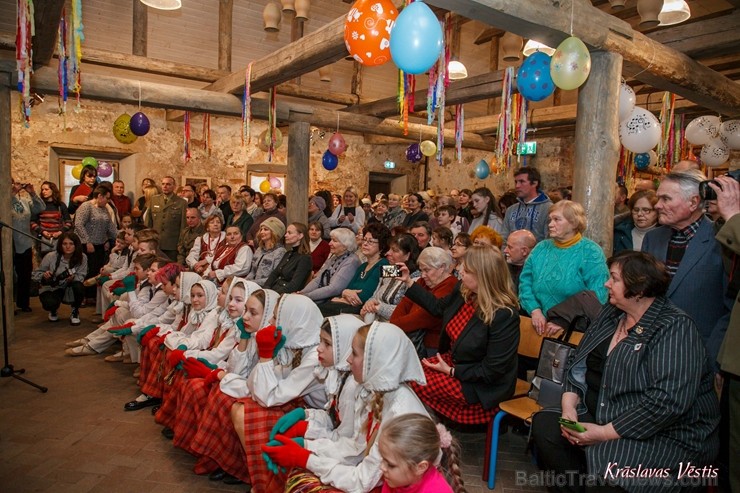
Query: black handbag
column 552, row 364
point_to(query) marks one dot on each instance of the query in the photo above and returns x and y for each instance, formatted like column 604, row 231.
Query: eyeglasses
column 644, row 210
column 370, row 241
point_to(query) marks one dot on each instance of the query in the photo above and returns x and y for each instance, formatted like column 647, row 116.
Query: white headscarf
column 187, row 279
column 390, row 360
column 271, row 299
column 249, row 287
column 300, row 319
column 196, row 317
column 343, row 329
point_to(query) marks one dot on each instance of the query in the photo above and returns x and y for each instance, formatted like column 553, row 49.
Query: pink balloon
column 275, row 182
column 104, row 169
column 337, row 145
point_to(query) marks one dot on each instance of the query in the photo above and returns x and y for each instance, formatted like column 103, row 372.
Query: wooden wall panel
column 188, row 35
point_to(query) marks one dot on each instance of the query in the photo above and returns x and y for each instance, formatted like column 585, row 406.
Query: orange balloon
column 367, row 31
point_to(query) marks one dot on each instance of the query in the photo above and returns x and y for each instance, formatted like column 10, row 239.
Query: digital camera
column 707, row 193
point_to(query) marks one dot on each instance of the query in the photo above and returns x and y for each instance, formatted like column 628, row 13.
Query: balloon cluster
column 122, row 129
column 717, row 138
column 337, row 146
column 270, row 183
column 104, row 168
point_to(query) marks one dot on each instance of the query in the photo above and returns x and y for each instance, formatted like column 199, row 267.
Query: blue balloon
column 482, row 170
column 533, row 77
column 139, row 124
column 416, row 39
column 329, row 161
column 642, row 161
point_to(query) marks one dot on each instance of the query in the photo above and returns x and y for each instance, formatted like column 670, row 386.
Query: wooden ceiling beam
column 309, row 53
column 46, row 17
column 661, row 66
column 704, row 38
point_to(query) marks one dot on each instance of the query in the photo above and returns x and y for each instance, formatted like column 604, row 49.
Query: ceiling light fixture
column 163, row 4
column 674, row 12
column 533, row 46
column 456, row 70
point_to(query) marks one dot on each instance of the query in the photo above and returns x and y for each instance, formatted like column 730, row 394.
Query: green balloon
column 90, row 161
column 571, row 64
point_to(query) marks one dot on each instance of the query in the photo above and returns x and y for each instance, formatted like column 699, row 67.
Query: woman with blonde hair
column 561, row 266
column 348, row 214
column 475, row 368
column 149, row 192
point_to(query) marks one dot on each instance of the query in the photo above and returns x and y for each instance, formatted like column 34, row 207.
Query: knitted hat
column 366, row 201
column 275, row 225
column 319, row 202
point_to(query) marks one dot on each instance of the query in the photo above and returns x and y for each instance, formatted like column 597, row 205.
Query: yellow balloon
column 77, row 171
column 265, row 186
column 122, row 130
column 428, row 148
column 571, row 64
column 264, row 140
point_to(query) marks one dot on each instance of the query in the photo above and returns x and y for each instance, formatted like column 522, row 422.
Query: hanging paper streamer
column 441, row 108
column 207, row 133
column 186, row 137
column 247, row 107
column 459, row 128
column 503, row 143
column 62, row 66
column 272, row 123
column 76, row 48
column 432, row 94
column 522, row 105
column 24, row 56
column 666, row 125
column 403, row 109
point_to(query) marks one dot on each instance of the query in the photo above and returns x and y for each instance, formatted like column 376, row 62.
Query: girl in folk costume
column 207, row 347
column 201, row 255
column 216, row 444
column 335, row 346
column 281, row 380
column 231, row 258
column 382, row 362
column 413, row 448
column 202, row 376
column 152, row 338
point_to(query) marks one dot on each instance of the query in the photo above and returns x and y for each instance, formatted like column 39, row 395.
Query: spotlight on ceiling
column 674, row 12
column 163, row 4
column 533, row 46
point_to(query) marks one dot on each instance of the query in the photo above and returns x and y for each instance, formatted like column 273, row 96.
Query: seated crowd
column 317, row 355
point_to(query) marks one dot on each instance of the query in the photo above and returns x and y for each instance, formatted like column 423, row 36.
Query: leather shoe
column 114, row 358
column 168, row 433
column 217, row 475
column 154, row 410
column 77, row 342
column 83, row 350
column 229, row 479
column 135, row 405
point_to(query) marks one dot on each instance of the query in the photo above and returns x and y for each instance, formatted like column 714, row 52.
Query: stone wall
column 88, row 132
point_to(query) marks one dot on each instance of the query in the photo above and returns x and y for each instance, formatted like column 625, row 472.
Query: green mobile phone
column 571, row 425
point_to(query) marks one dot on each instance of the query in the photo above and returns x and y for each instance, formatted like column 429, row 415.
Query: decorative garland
column 207, row 133
column 62, row 66
column 503, row 139
column 186, row 137
column 459, row 128
column 666, row 144
column 247, row 107
column 272, row 122
column 25, row 30
column 78, row 37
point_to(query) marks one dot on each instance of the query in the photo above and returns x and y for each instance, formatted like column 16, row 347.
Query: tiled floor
column 77, row 438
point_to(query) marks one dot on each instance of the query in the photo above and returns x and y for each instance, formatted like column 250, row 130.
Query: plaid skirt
column 171, row 401
column 192, row 400
column 258, row 423
column 443, row 393
column 215, row 441
column 151, row 378
column 304, row 481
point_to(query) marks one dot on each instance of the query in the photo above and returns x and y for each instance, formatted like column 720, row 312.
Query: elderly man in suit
column 166, row 214
column 685, row 242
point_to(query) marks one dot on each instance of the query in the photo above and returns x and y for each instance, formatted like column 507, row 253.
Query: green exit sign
column 524, row 148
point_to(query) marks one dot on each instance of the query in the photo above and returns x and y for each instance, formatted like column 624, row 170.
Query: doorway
column 387, row 183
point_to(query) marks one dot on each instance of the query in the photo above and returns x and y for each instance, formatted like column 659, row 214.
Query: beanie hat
column 319, row 202
column 275, row 225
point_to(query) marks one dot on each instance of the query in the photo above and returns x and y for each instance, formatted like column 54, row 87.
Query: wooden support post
column 298, row 166
column 225, row 15
column 356, row 80
column 597, row 146
column 6, row 121
column 493, row 66
column 141, row 21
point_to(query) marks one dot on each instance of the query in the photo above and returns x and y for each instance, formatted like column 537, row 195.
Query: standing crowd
column 318, row 355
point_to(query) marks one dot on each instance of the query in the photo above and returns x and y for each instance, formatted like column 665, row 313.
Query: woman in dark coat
column 477, row 361
column 294, row 269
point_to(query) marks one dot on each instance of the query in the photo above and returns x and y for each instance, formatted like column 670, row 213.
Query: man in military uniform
column 189, row 235
column 166, row 214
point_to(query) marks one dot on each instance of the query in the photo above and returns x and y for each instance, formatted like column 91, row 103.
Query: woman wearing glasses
column 375, row 243
column 628, row 234
column 338, row 269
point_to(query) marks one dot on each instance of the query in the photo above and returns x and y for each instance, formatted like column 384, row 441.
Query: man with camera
column 727, row 192
column 685, row 243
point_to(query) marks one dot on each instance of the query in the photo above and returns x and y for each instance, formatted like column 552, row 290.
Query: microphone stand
column 8, row 370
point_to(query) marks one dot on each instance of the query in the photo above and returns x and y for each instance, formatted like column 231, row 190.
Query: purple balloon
column 413, row 153
column 329, row 161
column 337, row 145
column 104, row 169
column 139, row 124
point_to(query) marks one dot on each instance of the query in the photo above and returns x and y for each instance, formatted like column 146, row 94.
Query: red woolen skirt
column 443, row 393
column 215, row 441
column 192, row 400
column 171, row 400
column 258, row 423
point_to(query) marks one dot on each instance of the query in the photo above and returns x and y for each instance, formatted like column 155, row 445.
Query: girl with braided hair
column 417, row 455
column 382, row 363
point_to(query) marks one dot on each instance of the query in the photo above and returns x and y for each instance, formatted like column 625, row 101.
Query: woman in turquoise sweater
column 561, row 266
column 375, row 242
